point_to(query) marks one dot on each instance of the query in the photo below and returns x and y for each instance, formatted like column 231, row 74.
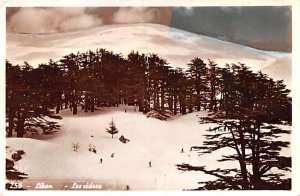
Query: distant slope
column 281, row 68
column 178, row 47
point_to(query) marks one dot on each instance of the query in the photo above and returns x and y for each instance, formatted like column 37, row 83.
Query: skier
column 182, row 151
column 150, row 164
column 112, row 155
column 94, row 149
column 76, row 146
column 127, row 187
column 101, row 161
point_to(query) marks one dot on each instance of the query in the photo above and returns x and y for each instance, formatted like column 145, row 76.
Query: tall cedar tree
column 198, row 72
column 71, row 65
column 250, row 130
column 137, row 80
column 214, row 81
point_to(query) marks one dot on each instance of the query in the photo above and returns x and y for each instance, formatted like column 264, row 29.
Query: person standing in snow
column 182, row 151
column 112, row 155
column 150, row 164
column 101, row 161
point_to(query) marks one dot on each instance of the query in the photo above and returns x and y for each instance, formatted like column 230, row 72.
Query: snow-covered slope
column 52, row 158
column 178, row 47
column 281, row 69
column 150, row 140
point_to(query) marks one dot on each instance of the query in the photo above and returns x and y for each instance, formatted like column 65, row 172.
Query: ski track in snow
column 52, row 157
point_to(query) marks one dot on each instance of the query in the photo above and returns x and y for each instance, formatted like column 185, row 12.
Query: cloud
column 51, row 20
column 56, row 20
column 136, row 15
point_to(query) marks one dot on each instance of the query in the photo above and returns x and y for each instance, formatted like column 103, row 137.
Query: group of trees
column 101, row 77
column 29, row 99
column 244, row 105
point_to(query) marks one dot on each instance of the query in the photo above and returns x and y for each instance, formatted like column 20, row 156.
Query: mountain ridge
column 177, row 46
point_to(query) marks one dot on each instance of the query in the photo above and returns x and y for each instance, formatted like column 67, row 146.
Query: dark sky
column 260, row 27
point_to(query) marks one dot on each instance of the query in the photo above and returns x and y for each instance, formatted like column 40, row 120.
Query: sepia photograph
column 175, row 98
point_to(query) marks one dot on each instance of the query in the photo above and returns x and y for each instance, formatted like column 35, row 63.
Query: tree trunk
column 183, row 110
column 190, row 106
column 256, row 159
column 243, row 165
column 162, row 98
column 20, row 124
column 86, row 103
column 175, row 105
column 155, row 97
column 141, row 105
column 45, row 105
column 147, row 105
column 66, row 101
column 98, row 102
column 212, row 98
column 198, row 107
column 245, row 183
column 10, row 122
column 180, row 106
column 74, row 106
column 92, row 105
column 57, row 108
column 66, row 104
column 170, row 102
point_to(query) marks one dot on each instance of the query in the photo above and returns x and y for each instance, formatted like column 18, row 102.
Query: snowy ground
column 52, row 158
